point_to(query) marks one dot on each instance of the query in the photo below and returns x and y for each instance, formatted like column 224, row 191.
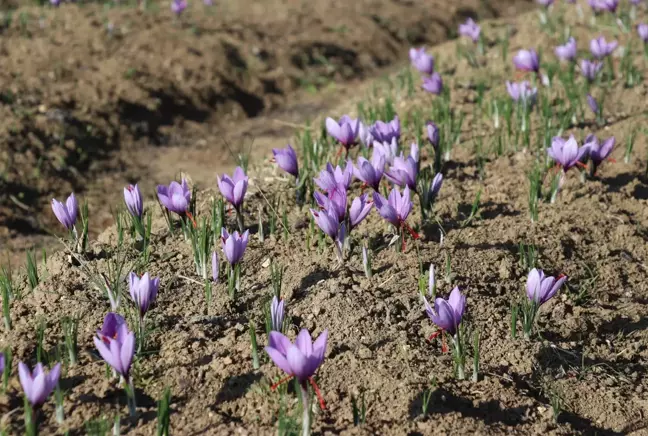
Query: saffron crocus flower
column 178, row 6
column 345, row 131
column 435, row 187
column 527, row 60
column 601, row 48
column 387, row 149
column 593, row 104
column 143, row 291
column 470, row 29
column 2, row 363
column 118, row 352
column 370, row 172
column 133, row 199
column 301, row 359
column 422, row 61
column 38, row 385
column 541, row 288
column 360, row 208
column 433, row 84
column 364, row 134
column 396, row 208
column 642, row 30
column 329, row 222
column 66, row 213
column 277, row 314
column 335, row 202
column 545, row 3
column 234, row 188
column 447, row 314
column 566, row 153
column 522, row 93
column 433, row 134
column 604, row 5
column 386, row 131
column 590, row 69
column 598, row 151
column 403, row 172
column 114, row 327
column 567, row 51
column 335, row 178
column 215, row 267
column 234, row 245
column 286, row 159
column 175, row 197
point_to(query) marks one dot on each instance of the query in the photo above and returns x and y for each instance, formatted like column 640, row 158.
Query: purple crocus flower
column 604, row 5
column 593, row 104
column 545, row 3
column 133, row 199
column 396, row 208
column 66, row 214
column 2, row 363
column 470, row 29
column 522, row 92
column 286, row 159
column 234, row 245
column 345, row 131
column 114, row 327
column 433, row 84
column 590, row 69
column 433, row 134
column 364, row 134
column 527, row 60
column 598, row 151
column 143, row 291
column 117, row 352
column 566, row 153
column 447, row 314
column 387, row 149
column 421, row 60
column 175, row 197
column 277, row 314
column 329, row 222
column 370, row 172
column 601, row 48
column 386, row 131
column 38, row 385
column 403, row 172
column 335, row 178
column 360, row 208
column 233, row 188
column 541, row 288
column 567, row 51
column 215, row 267
column 435, row 186
column 335, row 202
column 55, row 3
column 178, row 6
column 300, row 359
column 642, row 30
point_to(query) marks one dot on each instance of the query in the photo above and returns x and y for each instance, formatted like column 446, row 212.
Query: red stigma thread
column 318, row 393
column 191, row 218
column 280, row 382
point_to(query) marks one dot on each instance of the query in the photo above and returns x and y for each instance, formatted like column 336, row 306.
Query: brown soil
column 592, row 352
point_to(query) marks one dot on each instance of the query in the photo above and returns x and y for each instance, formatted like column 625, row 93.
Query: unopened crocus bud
column 527, row 60
column 233, row 188
column 642, row 30
column 590, row 69
column 215, row 267
column 286, row 159
column 38, row 385
column 143, row 291
column 178, row 6
column 593, row 105
column 277, row 314
column 470, row 29
column 133, row 199
column 360, row 208
column 66, row 213
column 433, row 84
column 435, row 186
column 433, row 134
column 422, row 61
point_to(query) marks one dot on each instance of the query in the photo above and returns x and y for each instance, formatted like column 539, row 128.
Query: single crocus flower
column 286, row 159
column 66, row 213
column 277, row 314
column 403, row 172
column 175, row 197
column 364, row 134
column 234, row 188
column 601, row 48
column 604, row 5
column 301, row 359
column 329, row 222
column 331, row 178
column 566, row 153
column 414, row 151
column 387, row 149
column 593, row 104
column 642, row 30
column 55, row 3
column 143, row 291
column 433, row 84
column 386, row 131
column 590, row 69
column 114, row 327
column 527, row 60
column 133, row 199
column 435, row 187
column 433, row 134
column 567, row 51
column 117, row 352
column 2, row 363
column 541, row 288
column 422, row 61
column 545, row 3
column 470, row 29
column 345, row 131
column 598, row 151
column 522, row 93
column 335, row 202
column 234, row 245
column 360, row 208
column 447, row 314
column 215, row 267
column 38, row 385
column 370, row 172
column 396, row 208
column 178, row 6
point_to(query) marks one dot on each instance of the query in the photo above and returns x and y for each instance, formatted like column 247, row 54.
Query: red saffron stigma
column 611, row 159
column 191, row 218
column 581, row 164
column 280, row 382
column 318, row 393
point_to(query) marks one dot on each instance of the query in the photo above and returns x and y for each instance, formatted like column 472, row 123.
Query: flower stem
column 239, row 220
column 130, row 396
column 305, row 409
column 30, row 419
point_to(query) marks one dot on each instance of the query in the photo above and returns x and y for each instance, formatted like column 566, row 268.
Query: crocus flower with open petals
column 447, row 314
column 433, row 84
column 600, row 48
column 335, row 178
column 386, row 131
column 567, row 51
column 345, row 131
column 234, row 245
column 642, row 30
column 38, row 385
column 604, row 5
column 335, row 202
column 286, row 159
column 598, row 151
column 566, row 153
column 277, row 314
column 527, row 60
column 590, row 69
column 370, row 172
column 66, row 213
column 143, row 290
column 360, row 208
column 114, row 327
column 421, row 60
column 522, row 92
column 403, row 172
column 175, row 197
column 178, row 6
column 387, row 149
column 396, row 208
column 233, row 188
column 118, row 352
column 133, row 199
column 470, row 29
column 300, row 359
column 541, row 288
column 433, row 134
